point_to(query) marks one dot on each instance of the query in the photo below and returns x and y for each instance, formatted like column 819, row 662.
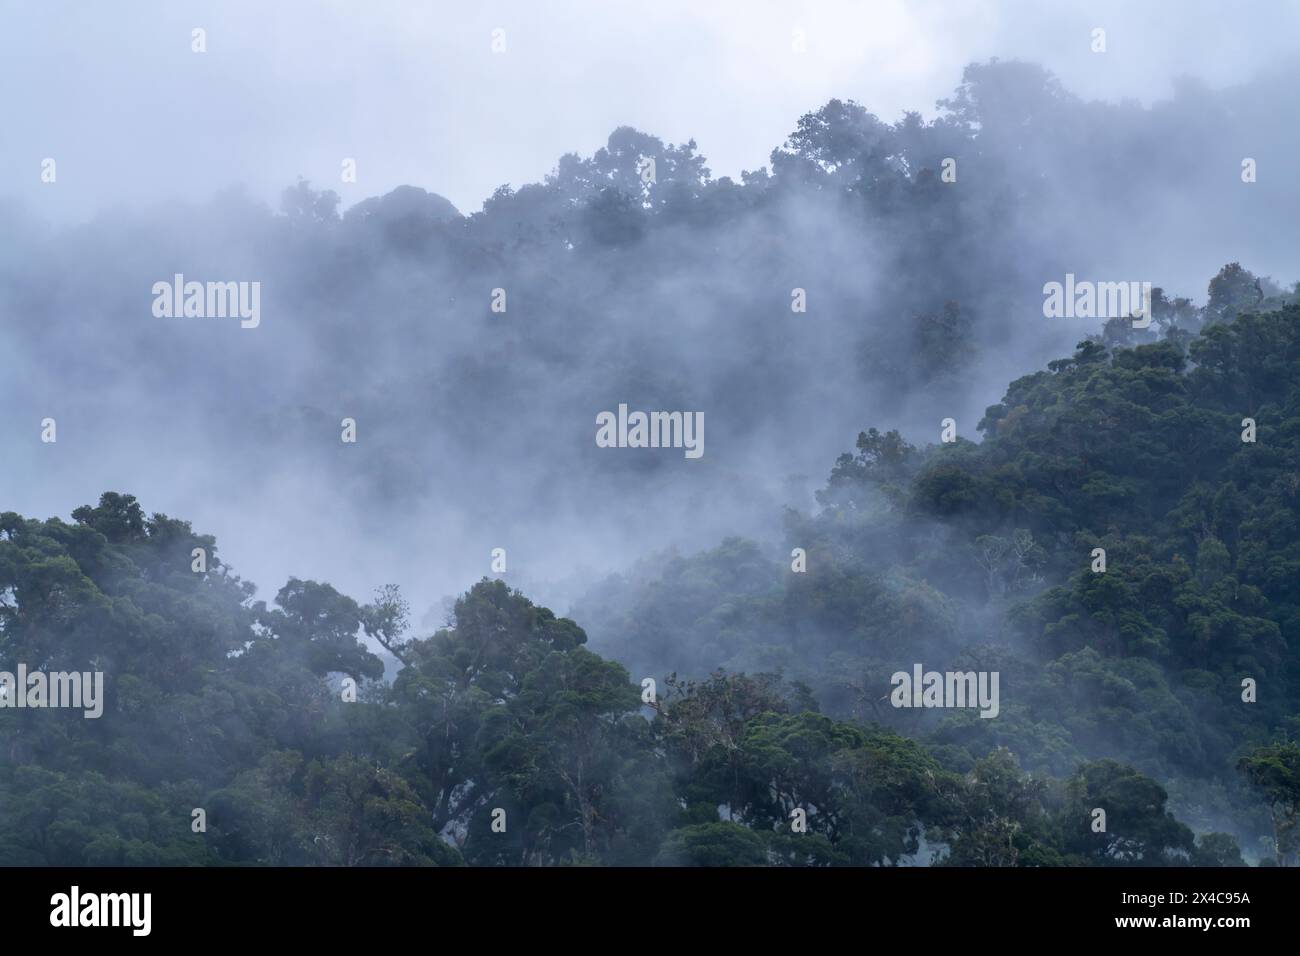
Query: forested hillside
column 985, row 556
column 504, row 739
column 921, row 279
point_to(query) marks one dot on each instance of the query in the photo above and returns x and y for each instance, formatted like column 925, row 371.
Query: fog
column 475, row 429
column 415, row 94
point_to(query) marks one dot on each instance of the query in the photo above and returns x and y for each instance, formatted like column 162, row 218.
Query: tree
column 320, row 624
column 1274, row 771
column 721, row 843
column 1139, row 830
column 1233, row 291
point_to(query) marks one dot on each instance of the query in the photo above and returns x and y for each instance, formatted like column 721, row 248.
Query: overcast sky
column 413, row 92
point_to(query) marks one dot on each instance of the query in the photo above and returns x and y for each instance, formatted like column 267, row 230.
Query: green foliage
column 1274, row 771
column 964, row 556
column 1139, row 830
column 722, row 843
column 984, row 553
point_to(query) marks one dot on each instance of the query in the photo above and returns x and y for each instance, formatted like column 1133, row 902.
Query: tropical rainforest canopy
column 1118, row 685
column 318, row 728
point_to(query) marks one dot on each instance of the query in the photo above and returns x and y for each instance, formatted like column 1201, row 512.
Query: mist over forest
column 521, row 689
column 476, row 428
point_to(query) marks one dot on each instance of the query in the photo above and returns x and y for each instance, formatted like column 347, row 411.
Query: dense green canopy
column 503, row 739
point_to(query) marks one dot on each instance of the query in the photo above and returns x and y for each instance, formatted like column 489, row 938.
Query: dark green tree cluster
column 1179, row 657
column 502, row 740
